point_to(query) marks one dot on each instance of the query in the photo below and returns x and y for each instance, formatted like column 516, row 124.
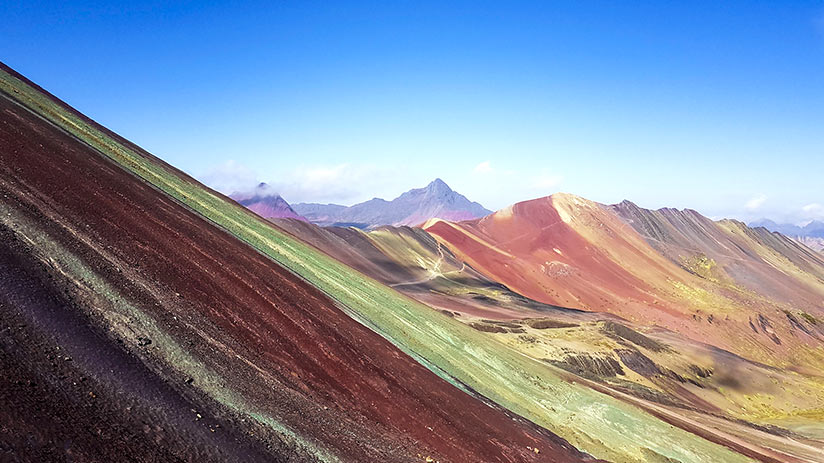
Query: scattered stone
column 546, row 323
column 618, row 331
column 487, row 328
column 591, row 365
column 638, row 362
column 701, row 372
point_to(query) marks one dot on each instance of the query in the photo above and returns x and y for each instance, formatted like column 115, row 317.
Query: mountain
column 754, row 293
column 814, row 229
column 617, row 353
column 144, row 314
column 816, row 244
column 786, row 229
column 414, row 262
column 411, row 208
column 751, row 258
column 720, row 313
column 266, row 204
column 320, row 213
column 811, row 234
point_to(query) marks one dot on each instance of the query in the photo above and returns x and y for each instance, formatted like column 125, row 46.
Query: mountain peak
column 266, row 203
column 413, row 207
column 438, row 186
column 437, row 183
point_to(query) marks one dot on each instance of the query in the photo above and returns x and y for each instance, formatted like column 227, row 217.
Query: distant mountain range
column 414, row 207
column 814, row 229
column 263, row 202
column 812, row 234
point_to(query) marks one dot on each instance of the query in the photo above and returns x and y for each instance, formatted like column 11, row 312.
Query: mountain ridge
column 412, row 207
column 812, row 229
column 676, row 269
column 810, row 234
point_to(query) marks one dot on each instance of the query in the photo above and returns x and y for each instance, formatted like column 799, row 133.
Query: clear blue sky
column 717, row 106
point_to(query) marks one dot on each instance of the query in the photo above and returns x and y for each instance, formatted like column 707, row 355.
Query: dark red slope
column 68, row 391
column 273, row 340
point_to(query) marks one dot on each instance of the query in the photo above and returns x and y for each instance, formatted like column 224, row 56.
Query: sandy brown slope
column 134, row 327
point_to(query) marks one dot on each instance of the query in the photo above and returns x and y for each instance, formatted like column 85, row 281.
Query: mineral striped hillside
column 135, row 326
column 144, row 314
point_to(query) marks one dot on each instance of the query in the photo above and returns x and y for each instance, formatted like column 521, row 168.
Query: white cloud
column 230, row 177
column 323, row 183
column 755, row 202
column 320, row 177
column 813, row 211
column 337, row 183
column 546, row 181
column 483, row 168
column 812, row 208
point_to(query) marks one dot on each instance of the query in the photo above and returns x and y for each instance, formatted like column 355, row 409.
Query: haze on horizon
column 715, row 107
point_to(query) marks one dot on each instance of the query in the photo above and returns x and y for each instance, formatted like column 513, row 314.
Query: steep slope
column 811, row 234
column 535, row 248
column 732, row 252
column 411, row 208
column 137, row 327
column 657, row 368
column 572, row 252
column 266, row 203
column 816, row 244
column 813, row 229
column 602, row 425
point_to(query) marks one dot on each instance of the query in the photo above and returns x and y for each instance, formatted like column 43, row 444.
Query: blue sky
column 716, row 106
